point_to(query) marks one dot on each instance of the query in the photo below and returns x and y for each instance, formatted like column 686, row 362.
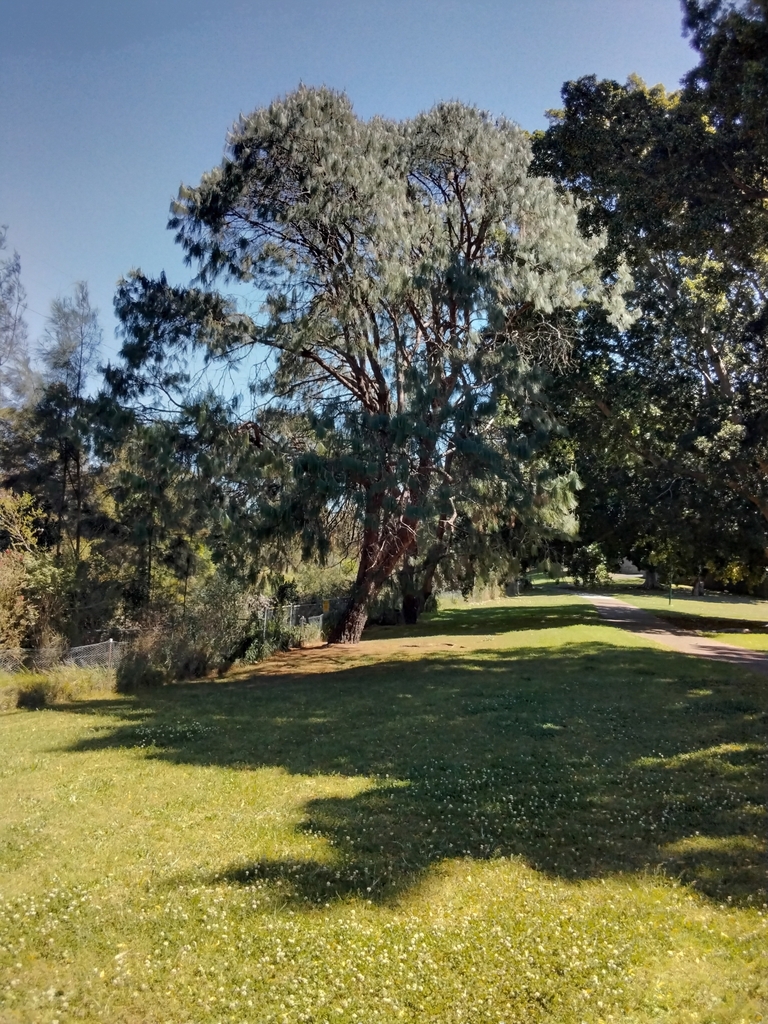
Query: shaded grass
column 544, row 609
column 493, row 824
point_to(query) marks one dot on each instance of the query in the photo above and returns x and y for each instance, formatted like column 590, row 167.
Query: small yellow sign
column 326, row 606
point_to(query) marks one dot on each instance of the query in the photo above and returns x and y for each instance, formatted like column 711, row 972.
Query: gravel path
column 626, row 616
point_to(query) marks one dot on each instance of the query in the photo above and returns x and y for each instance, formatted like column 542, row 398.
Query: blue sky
column 106, row 108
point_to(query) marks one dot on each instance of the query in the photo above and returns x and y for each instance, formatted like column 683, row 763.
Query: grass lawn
column 510, row 813
column 753, row 642
column 740, row 621
column 748, row 610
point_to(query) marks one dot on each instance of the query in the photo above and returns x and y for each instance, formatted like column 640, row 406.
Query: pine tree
column 15, row 371
column 68, row 353
column 417, row 281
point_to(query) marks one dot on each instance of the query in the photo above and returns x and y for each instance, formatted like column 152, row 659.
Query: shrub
column 14, row 612
column 35, row 694
column 221, row 624
column 277, row 637
column 589, row 567
column 137, row 670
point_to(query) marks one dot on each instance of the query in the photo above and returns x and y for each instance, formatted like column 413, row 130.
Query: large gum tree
column 678, row 185
column 412, row 280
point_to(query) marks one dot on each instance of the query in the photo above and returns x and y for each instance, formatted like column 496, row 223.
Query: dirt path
column 626, row 616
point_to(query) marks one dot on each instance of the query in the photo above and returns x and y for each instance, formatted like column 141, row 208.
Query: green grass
column 510, row 813
column 740, row 621
column 752, row 641
column 716, row 606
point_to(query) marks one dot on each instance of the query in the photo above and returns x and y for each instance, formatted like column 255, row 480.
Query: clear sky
column 106, row 107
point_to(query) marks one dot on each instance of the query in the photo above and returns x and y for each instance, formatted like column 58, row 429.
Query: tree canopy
column 413, row 283
column 678, row 183
column 14, row 356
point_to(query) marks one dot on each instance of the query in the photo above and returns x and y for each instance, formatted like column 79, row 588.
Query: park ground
column 509, row 813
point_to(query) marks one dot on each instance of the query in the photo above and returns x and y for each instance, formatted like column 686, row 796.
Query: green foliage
column 286, row 590
column 323, row 582
column 31, row 586
column 687, row 168
column 47, row 448
column 588, row 566
column 221, row 621
column 14, row 612
column 668, row 415
column 418, row 283
column 137, row 671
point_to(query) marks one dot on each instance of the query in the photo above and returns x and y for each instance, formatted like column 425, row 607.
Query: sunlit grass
column 508, row 813
column 58, row 685
column 714, row 606
column 752, row 641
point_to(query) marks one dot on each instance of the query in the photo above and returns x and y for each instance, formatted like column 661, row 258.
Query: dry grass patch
column 33, row 691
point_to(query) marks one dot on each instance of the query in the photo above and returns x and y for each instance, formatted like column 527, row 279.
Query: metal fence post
column 109, row 656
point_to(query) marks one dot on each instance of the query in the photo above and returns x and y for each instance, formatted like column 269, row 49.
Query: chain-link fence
column 307, row 617
column 103, row 655
column 308, row 613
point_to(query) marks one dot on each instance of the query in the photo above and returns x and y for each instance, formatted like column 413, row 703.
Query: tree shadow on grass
column 591, row 761
column 512, row 616
column 710, row 623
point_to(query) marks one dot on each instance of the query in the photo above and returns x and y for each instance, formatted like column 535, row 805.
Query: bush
column 222, row 623
column 589, row 567
column 277, row 637
column 35, row 694
column 14, row 612
column 137, row 670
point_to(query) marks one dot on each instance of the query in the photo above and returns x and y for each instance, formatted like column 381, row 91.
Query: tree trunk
column 411, row 597
column 378, row 561
column 78, row 507
column 412, row 609
column 428, row 582
column 415, row 600
column 62, row 503
column 350, row 628
column 149, row 564
column 652, row 581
